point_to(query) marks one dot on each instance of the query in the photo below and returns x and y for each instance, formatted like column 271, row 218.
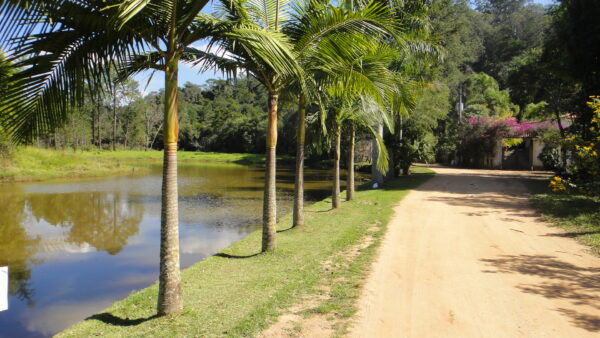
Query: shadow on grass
column 401, row 183
column 556, row 205
column 318, row 211
column 111, row 319
column 288, row 229
column 572, row 234
column 224, row 255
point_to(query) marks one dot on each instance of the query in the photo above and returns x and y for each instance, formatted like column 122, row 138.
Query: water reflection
column 17, row 247
column 102, row 220
column 73, row 248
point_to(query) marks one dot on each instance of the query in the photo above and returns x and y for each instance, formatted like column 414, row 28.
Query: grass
column 33, row 164
column 239, row 293
column 578, row 215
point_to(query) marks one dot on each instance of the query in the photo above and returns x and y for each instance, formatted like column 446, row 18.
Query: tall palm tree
column 302, row 26
column 360, row 71
column 267, row 17
column 72, row 42
column 418, row 50
column 313, row 22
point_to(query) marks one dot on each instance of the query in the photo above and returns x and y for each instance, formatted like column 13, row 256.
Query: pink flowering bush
column 479, row 136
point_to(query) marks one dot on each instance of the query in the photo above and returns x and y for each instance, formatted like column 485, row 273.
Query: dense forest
column 504, row 58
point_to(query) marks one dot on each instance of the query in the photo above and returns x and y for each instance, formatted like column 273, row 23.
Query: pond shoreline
column 32, row 164
column 75, row 246
column 237, row 292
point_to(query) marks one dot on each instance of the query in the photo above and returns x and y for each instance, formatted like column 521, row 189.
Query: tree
column 359, row 71
column 571, row 52
column 414, row 138
column 484, row 97
column 73, row 42
column 152, row 108
column 266, row 17
column 511, row 28
column 315, row 27
column 121, row 94
column 459, row 30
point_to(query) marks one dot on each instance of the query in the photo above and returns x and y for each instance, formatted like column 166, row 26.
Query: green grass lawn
column 579, row 215
column 239, row 292
column 32, row 164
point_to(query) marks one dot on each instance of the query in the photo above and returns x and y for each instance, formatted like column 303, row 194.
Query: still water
column 75, row 247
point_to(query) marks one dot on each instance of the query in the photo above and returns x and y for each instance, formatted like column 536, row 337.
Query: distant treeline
column 220, row 116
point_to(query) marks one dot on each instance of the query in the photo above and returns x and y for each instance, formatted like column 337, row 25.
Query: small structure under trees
column 495, row 143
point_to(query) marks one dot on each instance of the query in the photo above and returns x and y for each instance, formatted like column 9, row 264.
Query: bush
column 582, row 175
column 550, row 156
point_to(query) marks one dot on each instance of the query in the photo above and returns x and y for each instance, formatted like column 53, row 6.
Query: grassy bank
column 32, row 164
column 239, row 293
column 578, row 215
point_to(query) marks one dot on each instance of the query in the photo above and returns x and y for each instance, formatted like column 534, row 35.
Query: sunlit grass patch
column 33, row 164
column 578, row 215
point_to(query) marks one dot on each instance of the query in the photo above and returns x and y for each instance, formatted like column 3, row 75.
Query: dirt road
column 465, row 256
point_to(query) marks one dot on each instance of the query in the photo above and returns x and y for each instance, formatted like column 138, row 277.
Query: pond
column 74, row 247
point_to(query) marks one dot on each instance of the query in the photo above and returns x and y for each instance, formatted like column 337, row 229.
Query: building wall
column 536, row 150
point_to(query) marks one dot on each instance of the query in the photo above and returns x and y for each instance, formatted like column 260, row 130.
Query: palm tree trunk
column 350, row 176
column 98, row 125
column 114, row 128
column 335, row 198
column 298, row 218
column 270, row 202
column 377, row 175
column 93, row 125
column 169, row 287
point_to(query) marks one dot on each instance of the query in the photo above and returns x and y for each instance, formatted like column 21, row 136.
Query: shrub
column 583, row 172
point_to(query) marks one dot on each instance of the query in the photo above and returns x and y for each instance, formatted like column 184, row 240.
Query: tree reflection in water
column 17, row 247
column 104, row 221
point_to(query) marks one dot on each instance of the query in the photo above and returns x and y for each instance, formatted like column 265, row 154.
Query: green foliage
column 226, row 116
column 511, row 142
column 576, row 31
column 536, row 112
column 550, row 156
column 458, row 29
column 578, row 215
column 512, row 27
column 581, row 174
column 484, row 97
column 414, row 139
column 5, row 147
column 34, row 164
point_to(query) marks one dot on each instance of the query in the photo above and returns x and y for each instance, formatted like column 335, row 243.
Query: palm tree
column 6, row 71
column 268, row 18
column 313, row 22
column 360, row 72
column 417, row 51
column 74, row 42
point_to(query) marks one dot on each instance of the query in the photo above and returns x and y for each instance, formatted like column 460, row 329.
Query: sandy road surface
column 464, row 256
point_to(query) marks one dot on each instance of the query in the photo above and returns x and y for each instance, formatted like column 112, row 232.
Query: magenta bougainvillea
column 508, row 127
column 479, row 136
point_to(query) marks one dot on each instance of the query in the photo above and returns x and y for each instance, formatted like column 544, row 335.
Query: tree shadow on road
column 561, row 280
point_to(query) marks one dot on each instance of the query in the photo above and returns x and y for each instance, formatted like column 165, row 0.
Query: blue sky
column 187, row 74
